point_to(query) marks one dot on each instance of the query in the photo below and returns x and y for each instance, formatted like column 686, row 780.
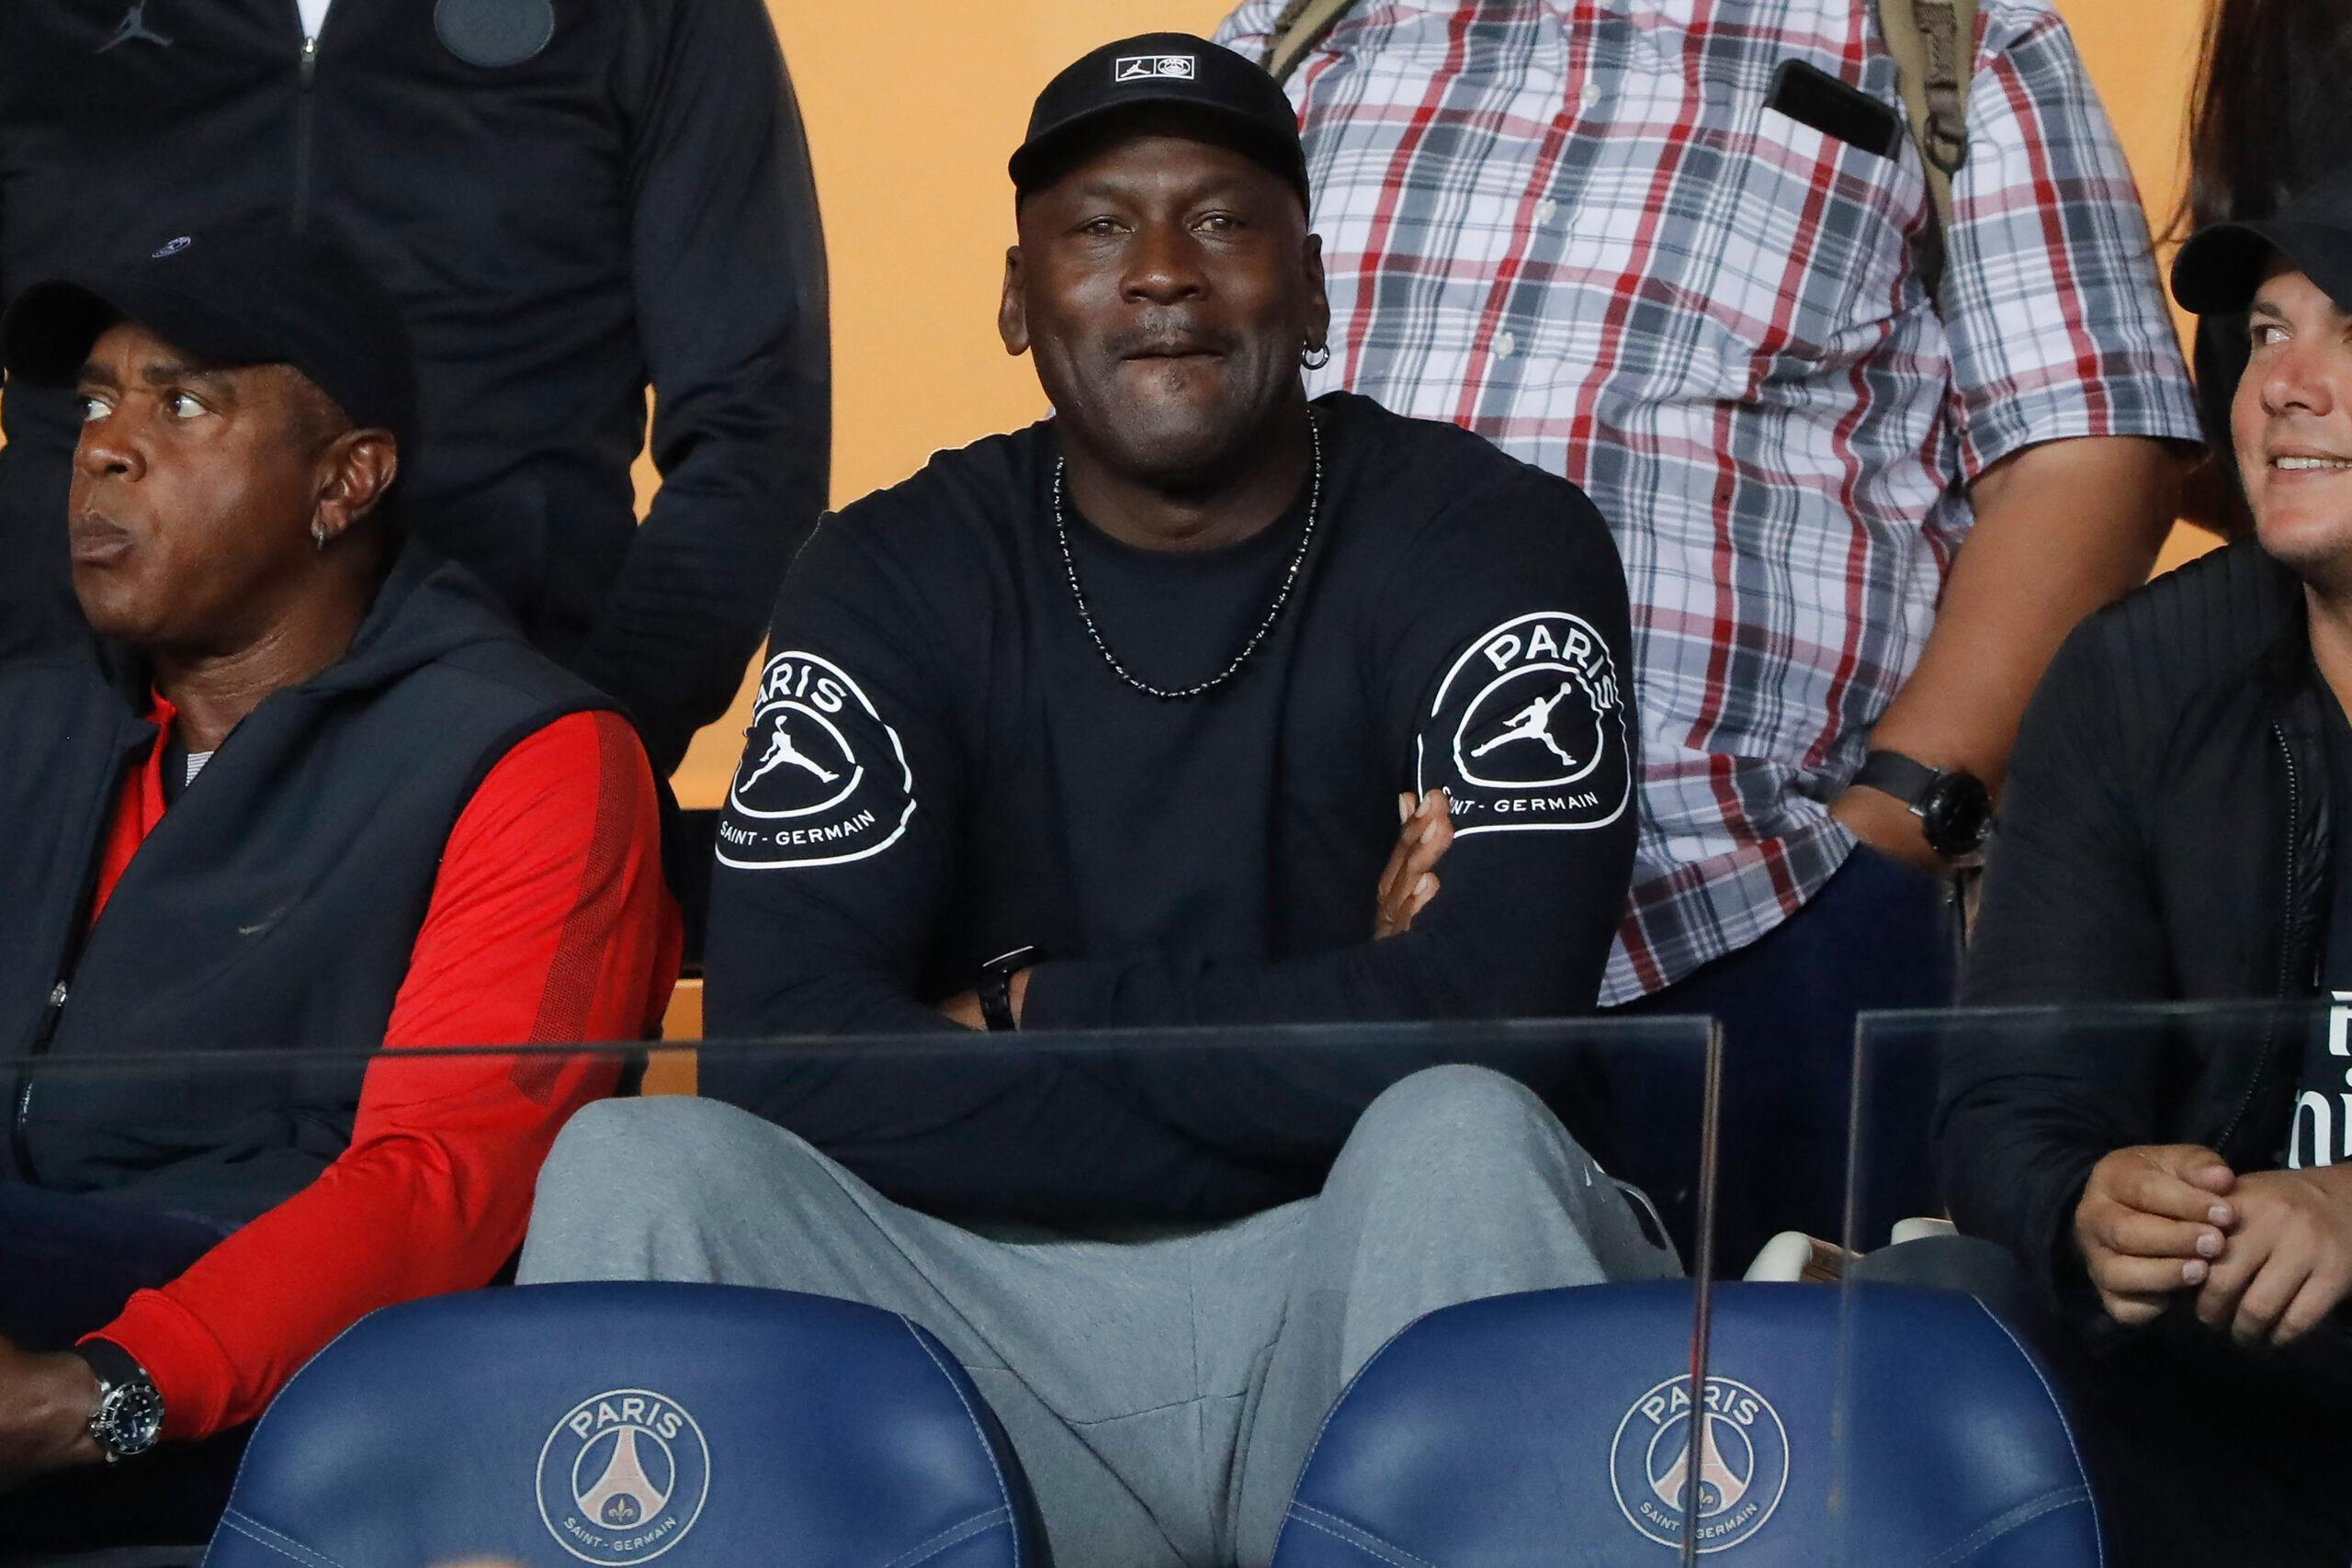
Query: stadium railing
column 1071, row 1133
column 1959, row 1414
column 1838, row 1421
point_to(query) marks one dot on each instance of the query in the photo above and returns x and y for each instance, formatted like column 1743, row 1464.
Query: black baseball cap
column 257, row 295
column 1166, row 70
column 2219, row 268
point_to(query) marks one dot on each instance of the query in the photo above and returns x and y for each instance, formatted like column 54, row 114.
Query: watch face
column 1956, row 813
column 128, row 1420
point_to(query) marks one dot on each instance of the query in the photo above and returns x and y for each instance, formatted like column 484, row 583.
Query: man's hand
column 45, row 1404
column 1410, row 880
column 1888, row 825
column 2288, row 1262
column 2151, row 1223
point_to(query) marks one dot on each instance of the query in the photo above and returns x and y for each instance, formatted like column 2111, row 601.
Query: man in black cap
column 573, row 204
column 1114, row 721
column 2175, row 830
column 314, row 793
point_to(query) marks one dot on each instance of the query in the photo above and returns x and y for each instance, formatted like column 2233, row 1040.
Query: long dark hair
column 2269, row 115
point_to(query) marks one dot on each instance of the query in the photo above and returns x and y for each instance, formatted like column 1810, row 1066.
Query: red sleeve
column 549, row 923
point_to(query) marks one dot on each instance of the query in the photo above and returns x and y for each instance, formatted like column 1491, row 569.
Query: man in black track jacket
column 568, row 202
column 2179, row 1193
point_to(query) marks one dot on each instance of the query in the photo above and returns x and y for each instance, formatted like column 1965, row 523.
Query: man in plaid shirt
column 1576, row 227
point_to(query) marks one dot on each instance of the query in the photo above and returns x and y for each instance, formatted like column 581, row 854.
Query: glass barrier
column 2098, row 1293
column 226, row 1177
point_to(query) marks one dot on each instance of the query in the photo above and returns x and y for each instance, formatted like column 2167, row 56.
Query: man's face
column 1167, row 285
column 193, row 494
column 2292, row 424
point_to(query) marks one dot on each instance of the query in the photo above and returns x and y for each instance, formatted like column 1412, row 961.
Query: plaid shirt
column 1573, row 226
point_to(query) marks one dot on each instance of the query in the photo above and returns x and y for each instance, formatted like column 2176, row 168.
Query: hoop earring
column 318, row 535
column 1315, row 356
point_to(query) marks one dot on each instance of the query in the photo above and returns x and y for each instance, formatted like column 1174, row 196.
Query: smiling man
column 1138, row 698
column 2179, row 827
column 317, row 795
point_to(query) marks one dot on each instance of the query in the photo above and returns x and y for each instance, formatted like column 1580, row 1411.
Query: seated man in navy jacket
column 316, row 793
column 1114, row 721
column 2179, row 820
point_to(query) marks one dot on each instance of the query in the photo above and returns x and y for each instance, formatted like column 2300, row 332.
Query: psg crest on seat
column 623, row 1477
column 1729, row 1467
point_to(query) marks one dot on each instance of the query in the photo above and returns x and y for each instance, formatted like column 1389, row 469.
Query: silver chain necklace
column 1273, row 612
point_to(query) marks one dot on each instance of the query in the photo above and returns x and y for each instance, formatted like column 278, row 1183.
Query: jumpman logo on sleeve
column 781, row 750
column 134, row 27
column 1534, row 722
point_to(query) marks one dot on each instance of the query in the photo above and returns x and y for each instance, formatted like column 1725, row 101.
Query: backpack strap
column 1299, row 27
column 1934, row 45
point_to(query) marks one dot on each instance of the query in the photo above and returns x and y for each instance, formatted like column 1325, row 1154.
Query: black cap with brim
column 256, row 296
column 49, row 333
column 2218, row 272
column 1083, row 104
column 2219, row 268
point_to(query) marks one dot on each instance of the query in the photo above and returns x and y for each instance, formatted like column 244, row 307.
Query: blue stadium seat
column 702, row 1424
column 1553, row 1428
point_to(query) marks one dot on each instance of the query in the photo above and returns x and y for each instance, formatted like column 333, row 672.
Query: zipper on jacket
column 304, row 108
column 2286, row 940
column 77, row 937
column 19, row 1143
column 52, row 1014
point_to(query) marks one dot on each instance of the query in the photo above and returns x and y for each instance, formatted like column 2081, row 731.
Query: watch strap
column 996, row 1002
column 1890, row 772
column 113, row 1365
column 995, row 989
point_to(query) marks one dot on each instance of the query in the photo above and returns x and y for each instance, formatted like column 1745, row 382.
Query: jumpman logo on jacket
column 134, row 26
column 1534, row 722
column 781, row 750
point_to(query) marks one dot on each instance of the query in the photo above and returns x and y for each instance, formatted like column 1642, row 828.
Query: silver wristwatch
column 129, row 1416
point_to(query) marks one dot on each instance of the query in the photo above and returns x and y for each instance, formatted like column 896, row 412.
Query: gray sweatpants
column 1163, row 1394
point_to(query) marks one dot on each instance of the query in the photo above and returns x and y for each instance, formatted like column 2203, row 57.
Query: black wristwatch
column 1953, row 808
column 996, row 987
column 129, row 1416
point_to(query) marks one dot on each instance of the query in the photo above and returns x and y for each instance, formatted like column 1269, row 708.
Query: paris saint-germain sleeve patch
column 824, row 780
column 1529, row 731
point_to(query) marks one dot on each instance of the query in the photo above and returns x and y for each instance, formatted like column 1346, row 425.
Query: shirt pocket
column 1763, row 255
column 1810, row 257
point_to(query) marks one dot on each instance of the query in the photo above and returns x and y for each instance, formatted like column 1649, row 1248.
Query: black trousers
column 1878, row 935
column 2201, row 1455
column 67, row 1265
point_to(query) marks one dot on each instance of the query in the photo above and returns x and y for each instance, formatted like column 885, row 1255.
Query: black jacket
column 2165, row 836
column 275, row 907
column 630, row 203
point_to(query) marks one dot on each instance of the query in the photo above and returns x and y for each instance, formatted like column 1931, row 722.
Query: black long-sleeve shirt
column 943, row 767
column 628, row 203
